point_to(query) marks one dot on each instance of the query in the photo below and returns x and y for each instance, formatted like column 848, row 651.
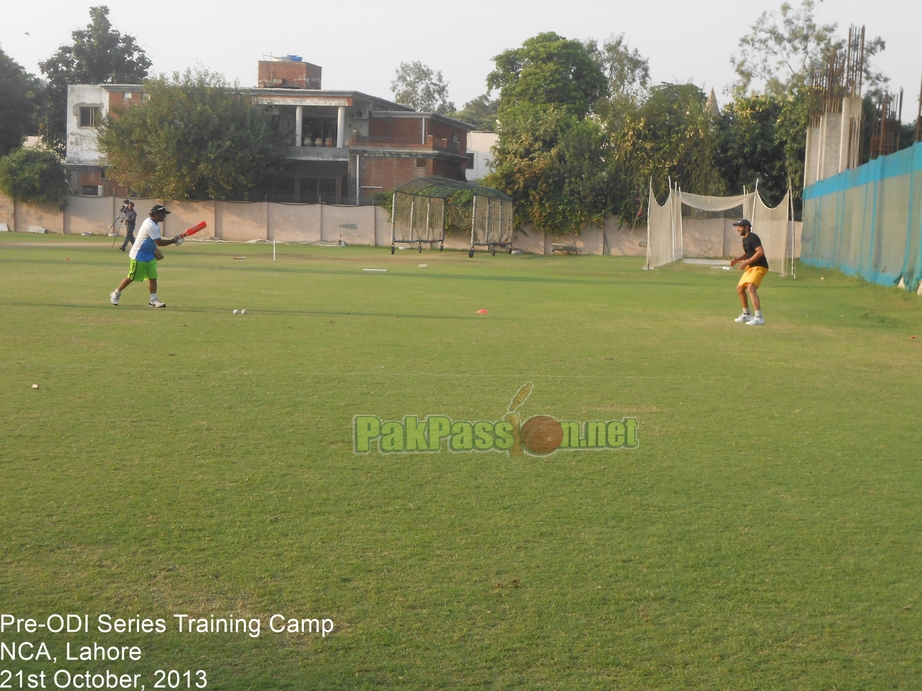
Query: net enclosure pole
column 473, row 223
column 428, row 222
column 791, row 224
column 393, row 221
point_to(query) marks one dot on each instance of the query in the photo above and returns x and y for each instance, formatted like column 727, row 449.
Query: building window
column 454, row 137
column 420, row 162
column 470, row 161
column 89, row 116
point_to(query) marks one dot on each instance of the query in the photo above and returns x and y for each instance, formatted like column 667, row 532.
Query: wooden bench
column 561, row 248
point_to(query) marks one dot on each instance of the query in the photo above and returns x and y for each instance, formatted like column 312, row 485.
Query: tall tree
column 192, row 137
column 20, row 94
column 551, row 164
column 422, row 89
column 626, row 70
column 783, row 48
column 481, row 113
column 549, row 154
column 99, row 55
column 34, row 176
column 750, row 149
column 670, row 135
column 791, row 133
column 548, row 69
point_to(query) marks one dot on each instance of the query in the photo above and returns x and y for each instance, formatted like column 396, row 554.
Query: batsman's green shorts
column 138, row 271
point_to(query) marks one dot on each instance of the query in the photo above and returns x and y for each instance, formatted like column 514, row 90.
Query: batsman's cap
column 161, row 209
column 743, row 222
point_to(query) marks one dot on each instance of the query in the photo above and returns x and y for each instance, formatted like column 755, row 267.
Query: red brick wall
column 408, row 129
column 391, row 172
column 388, row 173
column 449, row 169
column 119, row 97
column 298, row 75
column 441, row 130
column 77, row 178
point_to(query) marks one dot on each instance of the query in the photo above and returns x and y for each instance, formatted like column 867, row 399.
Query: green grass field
column 766, row 534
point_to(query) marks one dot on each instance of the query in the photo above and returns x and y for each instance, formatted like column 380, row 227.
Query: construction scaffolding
column 835, row 122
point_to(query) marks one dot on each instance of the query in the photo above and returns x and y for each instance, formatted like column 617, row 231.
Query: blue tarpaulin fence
column 868, row 221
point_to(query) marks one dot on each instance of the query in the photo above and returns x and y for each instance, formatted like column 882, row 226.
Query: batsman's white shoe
column 113, row 297
column 756, row 321
column 156, row 303
column 744, row 318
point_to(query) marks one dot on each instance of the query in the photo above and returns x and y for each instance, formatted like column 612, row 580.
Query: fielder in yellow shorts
column 755, row 266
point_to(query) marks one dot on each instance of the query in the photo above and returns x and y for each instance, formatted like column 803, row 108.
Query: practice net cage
column 425, row 208
column 672, row 236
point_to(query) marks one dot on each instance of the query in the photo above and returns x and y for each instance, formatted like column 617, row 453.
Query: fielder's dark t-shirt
column 750, row 244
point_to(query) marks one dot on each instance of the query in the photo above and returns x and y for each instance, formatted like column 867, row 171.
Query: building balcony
column 391, row 142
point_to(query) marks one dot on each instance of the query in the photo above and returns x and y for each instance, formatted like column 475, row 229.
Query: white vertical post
column 791, row 224
column 650, row 200
column 393, row 220
column 681, row 235
column 299, row 122
column 428, row 217
column 273, row 249
column 473, row 220
column 358, row 178
column 671, row 202
column 341, row 127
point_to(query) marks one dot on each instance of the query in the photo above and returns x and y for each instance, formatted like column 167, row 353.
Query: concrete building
column 344, row 145
column 86, row 106
column 479, row 155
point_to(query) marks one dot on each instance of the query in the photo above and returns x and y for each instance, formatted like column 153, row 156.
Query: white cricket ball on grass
column 243, row 311
column 236, row 311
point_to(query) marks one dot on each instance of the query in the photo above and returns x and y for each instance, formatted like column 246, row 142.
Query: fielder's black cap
column 742, row 222
column 161, row 209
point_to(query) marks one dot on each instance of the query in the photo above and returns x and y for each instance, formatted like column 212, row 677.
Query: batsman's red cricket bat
column 194, row 229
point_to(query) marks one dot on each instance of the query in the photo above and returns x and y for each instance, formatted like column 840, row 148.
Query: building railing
column 383, row 140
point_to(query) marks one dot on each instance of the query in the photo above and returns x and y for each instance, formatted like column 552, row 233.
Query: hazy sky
column 359, row 44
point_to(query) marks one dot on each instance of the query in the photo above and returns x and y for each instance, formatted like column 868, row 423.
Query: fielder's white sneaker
column 113, row 297
column 156, row 303
column 744, row 318
column 755, row 321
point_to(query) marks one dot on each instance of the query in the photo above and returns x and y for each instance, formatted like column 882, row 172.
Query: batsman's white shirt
column 144, row 244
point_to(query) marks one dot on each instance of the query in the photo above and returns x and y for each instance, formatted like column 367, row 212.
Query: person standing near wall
column 131, row 217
